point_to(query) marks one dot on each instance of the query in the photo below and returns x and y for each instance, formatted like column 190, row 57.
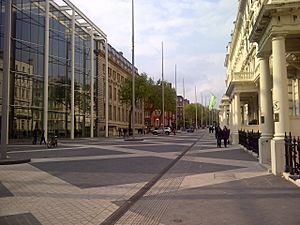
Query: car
column 166, row 130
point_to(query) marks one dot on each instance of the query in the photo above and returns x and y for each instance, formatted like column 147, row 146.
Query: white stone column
column 280, row 104
column 237, row 118
column 231, row 116
column 266, row 116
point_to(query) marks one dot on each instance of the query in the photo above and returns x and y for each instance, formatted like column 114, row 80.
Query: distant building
column 181, row 102
column 119, row 69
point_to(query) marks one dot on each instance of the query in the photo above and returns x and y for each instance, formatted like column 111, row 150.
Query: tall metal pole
column 176, row 98
column 202, row 109
column 73, row 76
column 163, row 84
column 46, row 66
column 5, row 81
column 106, row 88
column 92, row 82
column 183, row 111
column 196, row 125
column 133, row 74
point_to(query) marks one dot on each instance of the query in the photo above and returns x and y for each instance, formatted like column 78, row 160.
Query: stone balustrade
column 243, row 76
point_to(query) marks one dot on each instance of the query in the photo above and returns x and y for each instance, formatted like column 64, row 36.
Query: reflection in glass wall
column 26, row 78
column 2, row 4
column 59, row 74
column 27, row 72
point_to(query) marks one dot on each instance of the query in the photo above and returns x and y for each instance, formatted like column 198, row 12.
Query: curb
column 10, row 161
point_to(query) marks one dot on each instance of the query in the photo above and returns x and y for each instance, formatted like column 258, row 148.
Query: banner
column 212, row 102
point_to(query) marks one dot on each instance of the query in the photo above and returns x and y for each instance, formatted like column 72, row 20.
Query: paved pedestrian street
column 175, row 179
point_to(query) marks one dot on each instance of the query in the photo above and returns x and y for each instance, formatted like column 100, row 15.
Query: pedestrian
column 120, row 132
column 35, row 136
column 219, row 136
column 43, row 139
column 226, row 133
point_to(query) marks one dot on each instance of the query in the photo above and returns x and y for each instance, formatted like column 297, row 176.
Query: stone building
column 119, row 69
column 263, row 68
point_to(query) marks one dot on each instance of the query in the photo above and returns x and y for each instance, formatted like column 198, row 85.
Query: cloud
column 195, row 34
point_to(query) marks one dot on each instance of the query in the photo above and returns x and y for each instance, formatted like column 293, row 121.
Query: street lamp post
column 133, row 74
column 162, row 84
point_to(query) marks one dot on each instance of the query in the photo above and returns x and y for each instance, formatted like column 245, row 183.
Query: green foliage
column 149, row 92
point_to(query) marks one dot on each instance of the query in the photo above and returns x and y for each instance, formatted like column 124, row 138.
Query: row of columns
column 274, row 120
column 6, row 76
column 274, row 108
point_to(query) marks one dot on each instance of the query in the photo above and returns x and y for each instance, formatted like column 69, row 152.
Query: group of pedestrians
column 222, row 134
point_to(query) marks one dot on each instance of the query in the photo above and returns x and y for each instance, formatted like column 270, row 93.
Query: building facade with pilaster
column 263, row 68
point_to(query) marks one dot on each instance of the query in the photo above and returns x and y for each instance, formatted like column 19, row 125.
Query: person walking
column 226, row 133
column 35, row 136
column 219, row 135
column 43, row 139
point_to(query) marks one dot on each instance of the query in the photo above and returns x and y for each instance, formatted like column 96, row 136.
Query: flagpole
column 202, row 109
column 183, row 105
column 176, row 98
column 133, row 75
column 163, row 88
column 196, row 125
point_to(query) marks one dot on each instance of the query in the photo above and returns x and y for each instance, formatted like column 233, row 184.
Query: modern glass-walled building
column 48, row 69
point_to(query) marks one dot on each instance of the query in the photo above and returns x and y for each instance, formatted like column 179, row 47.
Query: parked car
column 166, row 130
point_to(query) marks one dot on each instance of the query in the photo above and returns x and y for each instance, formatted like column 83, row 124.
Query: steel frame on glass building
column 77, row 18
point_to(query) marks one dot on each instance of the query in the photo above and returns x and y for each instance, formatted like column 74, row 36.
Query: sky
column 194, row 33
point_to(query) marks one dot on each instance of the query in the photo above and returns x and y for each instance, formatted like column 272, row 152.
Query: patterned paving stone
column 161, row 148
column 96, row 173
column 54, row 153
column 4, row 192
column 236, row 154
column 19, row 219
column 267, row 200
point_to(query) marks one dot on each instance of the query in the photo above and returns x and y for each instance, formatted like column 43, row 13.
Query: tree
column 142, row 87
column 190, row 114
column 149, row 92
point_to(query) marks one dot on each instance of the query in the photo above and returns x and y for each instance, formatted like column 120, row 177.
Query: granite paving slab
column 104, row 172
column 56, row 152
column 4, row 192
column 19, row 219
column 160, row 148
column 236, row 154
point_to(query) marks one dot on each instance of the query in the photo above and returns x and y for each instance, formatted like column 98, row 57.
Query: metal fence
column 292, row 154
column 249, row 139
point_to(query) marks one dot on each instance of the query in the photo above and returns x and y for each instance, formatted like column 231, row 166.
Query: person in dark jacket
column 35, row 136
column 219, row 136
column 226, row 133
column 43, row 139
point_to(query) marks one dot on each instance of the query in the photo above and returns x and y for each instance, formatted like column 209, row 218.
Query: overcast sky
column 195, row 34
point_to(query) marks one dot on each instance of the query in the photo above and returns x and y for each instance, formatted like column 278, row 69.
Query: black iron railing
column 249, row 139
column 292, row 154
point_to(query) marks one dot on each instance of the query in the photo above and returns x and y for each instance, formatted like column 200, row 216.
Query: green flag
column 212, row 102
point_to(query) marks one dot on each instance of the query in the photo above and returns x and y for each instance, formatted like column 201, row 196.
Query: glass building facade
column 71, row 77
